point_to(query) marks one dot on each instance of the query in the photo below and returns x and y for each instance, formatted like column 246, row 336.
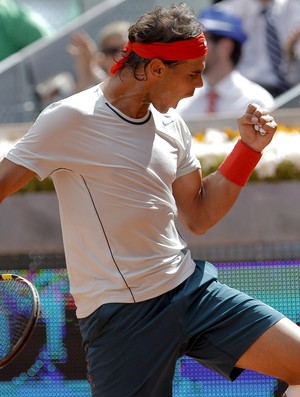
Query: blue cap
column 223, row 24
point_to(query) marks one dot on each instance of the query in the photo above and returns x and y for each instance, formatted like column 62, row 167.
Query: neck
column 126, row 95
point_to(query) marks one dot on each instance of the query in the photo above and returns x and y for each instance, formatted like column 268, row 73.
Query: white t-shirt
column 234, row 93
column 113, row 176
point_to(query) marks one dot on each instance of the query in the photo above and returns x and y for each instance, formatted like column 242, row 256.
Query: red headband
column 195, row 47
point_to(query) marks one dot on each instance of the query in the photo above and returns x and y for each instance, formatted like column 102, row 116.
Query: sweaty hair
column 166, row 25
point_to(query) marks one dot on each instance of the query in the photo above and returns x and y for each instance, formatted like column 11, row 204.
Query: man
column 121, row 161
column 225, row 89
column 268, row 25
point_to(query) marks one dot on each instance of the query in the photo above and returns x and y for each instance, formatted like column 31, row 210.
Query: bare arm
column 12, row 178
column 203, row 202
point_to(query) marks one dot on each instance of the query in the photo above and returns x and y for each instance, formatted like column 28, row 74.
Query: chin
column 162, row 109
column 189, row 95
column 174, row 106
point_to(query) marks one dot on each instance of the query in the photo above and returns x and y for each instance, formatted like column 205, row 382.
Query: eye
column 195, row 76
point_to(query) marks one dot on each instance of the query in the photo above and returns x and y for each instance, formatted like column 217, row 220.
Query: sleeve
column 49, row 143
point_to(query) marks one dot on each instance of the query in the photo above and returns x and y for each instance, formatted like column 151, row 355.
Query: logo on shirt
column 167, row 123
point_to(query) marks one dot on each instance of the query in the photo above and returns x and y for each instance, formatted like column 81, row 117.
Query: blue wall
column 53, row 364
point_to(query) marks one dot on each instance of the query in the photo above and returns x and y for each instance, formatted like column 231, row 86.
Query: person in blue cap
column 225, row 89
column 270, row 26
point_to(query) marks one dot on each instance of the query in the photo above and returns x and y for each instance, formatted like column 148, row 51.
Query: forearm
column 12, row 178
column 217, row 193
column 220, row 190
column 216, row 198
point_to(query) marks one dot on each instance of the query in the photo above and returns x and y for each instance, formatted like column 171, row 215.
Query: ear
column 156, row 68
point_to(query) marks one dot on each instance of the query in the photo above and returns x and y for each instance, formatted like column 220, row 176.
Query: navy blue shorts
column 132, row 349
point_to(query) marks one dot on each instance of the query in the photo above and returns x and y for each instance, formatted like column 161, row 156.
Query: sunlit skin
column 164, row 87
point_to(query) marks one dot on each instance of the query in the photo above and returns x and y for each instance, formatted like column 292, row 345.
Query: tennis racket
column 19, row 313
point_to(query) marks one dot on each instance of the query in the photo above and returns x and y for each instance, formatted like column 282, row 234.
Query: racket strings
column 16, row 307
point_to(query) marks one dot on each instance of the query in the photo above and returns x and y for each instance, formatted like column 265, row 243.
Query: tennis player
column 121, row 160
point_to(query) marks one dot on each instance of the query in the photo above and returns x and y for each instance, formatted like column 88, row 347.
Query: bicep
column 202, row 203
column 12, row 177
column 186, row 191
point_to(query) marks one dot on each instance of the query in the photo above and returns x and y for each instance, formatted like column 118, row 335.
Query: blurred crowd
column 19, row 27
column 254, row 53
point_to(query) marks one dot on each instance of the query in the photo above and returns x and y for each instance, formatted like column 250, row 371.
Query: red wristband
column 239, row 164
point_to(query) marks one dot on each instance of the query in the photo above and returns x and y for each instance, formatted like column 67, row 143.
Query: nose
column 199, row 82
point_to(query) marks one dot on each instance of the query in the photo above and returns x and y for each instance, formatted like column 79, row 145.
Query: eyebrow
column 198, row 71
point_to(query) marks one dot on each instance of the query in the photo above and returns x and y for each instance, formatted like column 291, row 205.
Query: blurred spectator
column 19, row 27
column 256, row 62
column 94, row 60
column 292, row 47
column 54, row 88
column 225, row 89
column 292, row 52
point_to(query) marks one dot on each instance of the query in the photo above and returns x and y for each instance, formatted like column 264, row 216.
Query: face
column 177, row 82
